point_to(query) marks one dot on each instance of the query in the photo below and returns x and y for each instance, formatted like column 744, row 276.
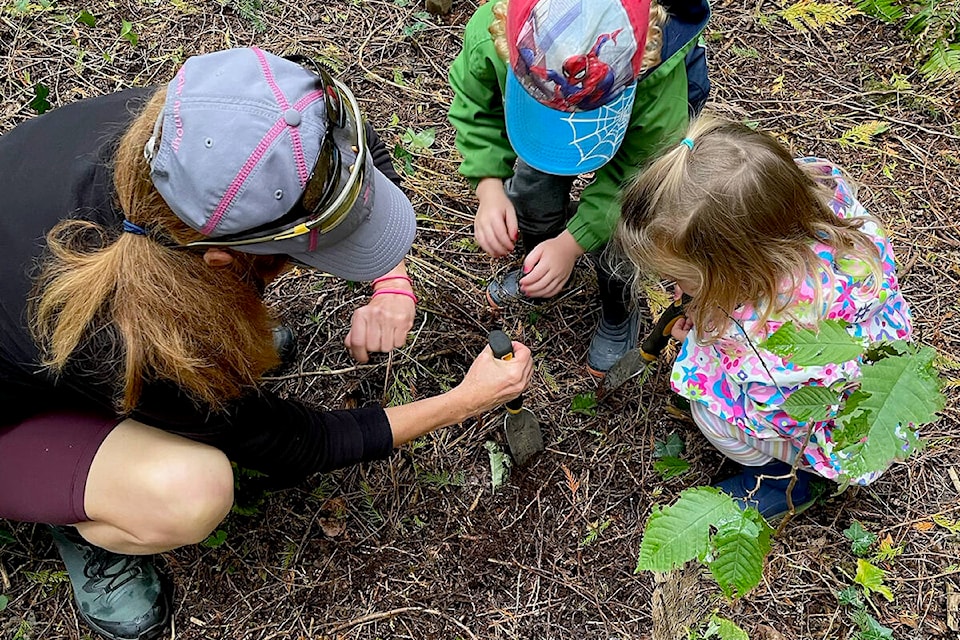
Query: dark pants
column 543, row 206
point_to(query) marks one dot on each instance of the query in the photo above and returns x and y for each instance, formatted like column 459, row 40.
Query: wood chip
column 952, row 472
column 953, row 608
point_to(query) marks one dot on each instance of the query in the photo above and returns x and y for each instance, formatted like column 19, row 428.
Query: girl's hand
column 549, row 265
column 491, row 382
column 381, row 325
column 495, row 225
column 681, row 328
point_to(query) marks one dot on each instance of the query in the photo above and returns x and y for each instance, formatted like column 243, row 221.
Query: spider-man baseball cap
column 572, row 79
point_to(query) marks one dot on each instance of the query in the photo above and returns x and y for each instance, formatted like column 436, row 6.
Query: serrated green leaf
column 672, row 448
column 671, row 467
column 740, row 545
column 811, row 404
column 861, row 540
column 871, row 579
column 831, row 344
column 849, row 596
column 944, row 62
column 724, row 629
column 886, row 10
column 904, row 392
column 585, row 403
column 681, row 532
column 499, row 465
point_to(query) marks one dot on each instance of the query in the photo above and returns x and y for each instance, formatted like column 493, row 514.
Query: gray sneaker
column 611, row 342
column 121, row 597
column 506, row 291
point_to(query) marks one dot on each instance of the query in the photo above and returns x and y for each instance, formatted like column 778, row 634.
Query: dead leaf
column 923, row 525
column 572, row 483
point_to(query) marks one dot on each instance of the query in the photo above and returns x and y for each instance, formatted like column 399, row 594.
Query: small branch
column 385, row 615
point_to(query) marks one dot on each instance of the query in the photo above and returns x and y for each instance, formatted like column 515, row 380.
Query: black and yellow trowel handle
column 658, row 338
column 502, row 348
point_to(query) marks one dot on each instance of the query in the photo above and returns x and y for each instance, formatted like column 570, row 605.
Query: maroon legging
column 44, row 463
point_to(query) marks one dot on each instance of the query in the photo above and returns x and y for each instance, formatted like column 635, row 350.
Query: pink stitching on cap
column 242, row 176
column 296, row 141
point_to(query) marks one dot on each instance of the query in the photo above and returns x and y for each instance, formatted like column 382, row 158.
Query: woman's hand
column 383, row 324
column 549, row 265
column 495, row 226
column 491, row 382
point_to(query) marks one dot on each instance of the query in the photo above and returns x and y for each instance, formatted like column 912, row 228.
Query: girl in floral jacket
column 758, row 239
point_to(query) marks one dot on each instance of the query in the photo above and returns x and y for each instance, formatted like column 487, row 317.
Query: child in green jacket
column 546, row 90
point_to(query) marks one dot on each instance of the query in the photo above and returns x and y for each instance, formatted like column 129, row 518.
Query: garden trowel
column 523, row 431
column 635, row 361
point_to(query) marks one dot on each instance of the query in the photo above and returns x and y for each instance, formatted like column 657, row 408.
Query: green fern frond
column 808, row 14
column 944, row 62
column 863, row 134
column 885, row 10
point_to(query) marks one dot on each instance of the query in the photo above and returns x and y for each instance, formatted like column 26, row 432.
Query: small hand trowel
column 523, row 431
column 635, row 361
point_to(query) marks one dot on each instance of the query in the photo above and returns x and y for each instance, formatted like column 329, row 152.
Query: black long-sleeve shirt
column 58, row 166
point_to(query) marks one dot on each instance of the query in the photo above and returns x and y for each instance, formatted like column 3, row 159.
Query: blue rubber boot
column 120, row 597
column 769, row 496
column 611, row 342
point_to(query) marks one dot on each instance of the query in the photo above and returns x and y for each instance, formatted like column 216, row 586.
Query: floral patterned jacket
column 729, row 378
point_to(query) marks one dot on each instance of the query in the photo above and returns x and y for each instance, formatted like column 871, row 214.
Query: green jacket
column 478, row 78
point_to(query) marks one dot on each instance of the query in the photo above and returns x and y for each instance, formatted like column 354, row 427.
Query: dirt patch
column 418, row 546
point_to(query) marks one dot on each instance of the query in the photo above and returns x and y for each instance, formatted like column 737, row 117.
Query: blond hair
column 652, row 47
column 177, row 319
column 736, row 218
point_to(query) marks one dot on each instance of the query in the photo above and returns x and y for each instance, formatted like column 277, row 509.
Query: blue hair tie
column 688, row 142
column 136, row 230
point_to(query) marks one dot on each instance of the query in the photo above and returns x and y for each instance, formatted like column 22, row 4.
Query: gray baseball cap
column 238, row 139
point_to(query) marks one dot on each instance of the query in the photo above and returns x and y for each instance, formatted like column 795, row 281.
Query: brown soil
column 418, row 546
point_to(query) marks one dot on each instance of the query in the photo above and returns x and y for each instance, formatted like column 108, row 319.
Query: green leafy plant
column 215, row 539
column 249, row 10
column 861, row 540
column 594, row 529
column 862, row 134
column 500, row 464
column 718, row 628
column 669, row 464
column 871, row 579
column 40, row 104
column 704, row 524
column 875, row 420
column 808, row 15
column 128, row 34
column 85, row 17
column 584, row 403
column 867, row 626
column 4, row 601
column 421, row 22
column 933, row 25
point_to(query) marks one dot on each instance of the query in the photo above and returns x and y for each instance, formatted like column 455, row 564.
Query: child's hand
column 681, row 328
column 495, row 226
column 549, row 265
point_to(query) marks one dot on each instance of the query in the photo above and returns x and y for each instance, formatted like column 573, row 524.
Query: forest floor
column 418, row 546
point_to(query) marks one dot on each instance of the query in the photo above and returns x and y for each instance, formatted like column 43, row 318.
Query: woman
column 140, row 229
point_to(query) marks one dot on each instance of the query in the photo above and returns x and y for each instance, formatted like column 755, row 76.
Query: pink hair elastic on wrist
column 385, row 278
column 399, row 292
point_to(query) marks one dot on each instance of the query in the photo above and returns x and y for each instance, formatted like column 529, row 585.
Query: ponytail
column 177, row 319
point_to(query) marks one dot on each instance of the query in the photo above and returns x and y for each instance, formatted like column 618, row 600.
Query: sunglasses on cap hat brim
column 327, row 198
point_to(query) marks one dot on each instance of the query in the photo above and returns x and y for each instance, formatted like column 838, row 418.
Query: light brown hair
column 736, row 217
column 177, row 319
column 652, row 47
